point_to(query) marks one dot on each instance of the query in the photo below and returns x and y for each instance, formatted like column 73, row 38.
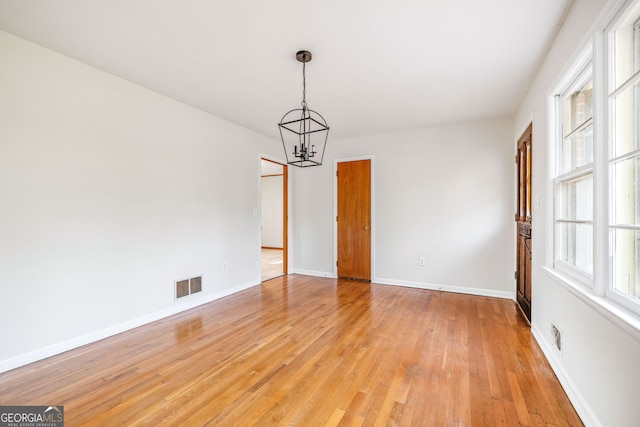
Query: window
column 574, row 176
column 624, row 157
column 596, row 167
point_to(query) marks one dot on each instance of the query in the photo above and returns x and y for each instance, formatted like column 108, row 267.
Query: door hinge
column 336, row 263
column 336, row 218
column 515, row 274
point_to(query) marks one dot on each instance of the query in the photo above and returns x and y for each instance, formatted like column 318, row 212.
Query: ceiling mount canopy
column 303, row 131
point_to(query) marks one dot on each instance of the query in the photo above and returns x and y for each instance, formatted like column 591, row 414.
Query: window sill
column 622, row 317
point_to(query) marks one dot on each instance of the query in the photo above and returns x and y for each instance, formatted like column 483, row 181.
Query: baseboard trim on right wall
column 313, row 273
column 582, row 408
column 447, row 288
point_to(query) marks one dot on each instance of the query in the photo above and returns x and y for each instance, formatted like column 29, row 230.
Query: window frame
column 613, row 90
column 598, row 290
column 580, row 73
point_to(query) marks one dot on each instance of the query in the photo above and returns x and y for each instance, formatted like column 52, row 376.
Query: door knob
column 366, row 227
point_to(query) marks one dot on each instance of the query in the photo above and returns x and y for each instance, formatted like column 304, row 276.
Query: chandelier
column 303, row 131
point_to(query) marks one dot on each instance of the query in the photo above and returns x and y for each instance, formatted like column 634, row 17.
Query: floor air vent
column 188, row 286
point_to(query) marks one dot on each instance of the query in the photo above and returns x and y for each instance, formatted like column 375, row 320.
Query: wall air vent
column 188, row 286
column 195, row 284
column 182, row 288
column 556, row 336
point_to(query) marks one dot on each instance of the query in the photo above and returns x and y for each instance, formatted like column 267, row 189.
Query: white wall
column 444, row 193
column 109, row 193
column 599, row 364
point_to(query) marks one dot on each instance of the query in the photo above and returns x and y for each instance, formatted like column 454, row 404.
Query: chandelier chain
column 304, row 86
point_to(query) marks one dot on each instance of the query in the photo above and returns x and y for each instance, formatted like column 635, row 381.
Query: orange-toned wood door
column 354, row 219
column 523, row 223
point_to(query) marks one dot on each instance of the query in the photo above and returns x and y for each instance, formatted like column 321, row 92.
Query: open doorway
column 274, row 219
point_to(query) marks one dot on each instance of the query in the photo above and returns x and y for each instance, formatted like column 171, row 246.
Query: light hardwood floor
column 272, row 263
column 309, row 351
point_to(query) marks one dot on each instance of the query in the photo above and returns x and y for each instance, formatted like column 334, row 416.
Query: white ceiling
column 378, row 65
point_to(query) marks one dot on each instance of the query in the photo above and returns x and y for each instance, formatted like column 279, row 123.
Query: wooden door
column 523, row 223
column 354, row 220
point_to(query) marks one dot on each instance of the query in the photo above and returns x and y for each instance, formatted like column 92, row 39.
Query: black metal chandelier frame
column 298, row 126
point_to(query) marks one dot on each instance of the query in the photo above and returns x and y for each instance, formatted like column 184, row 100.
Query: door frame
column 286, row 197
column 372, row 211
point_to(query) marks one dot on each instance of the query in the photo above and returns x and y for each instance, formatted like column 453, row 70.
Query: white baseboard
column 555, row 360
column 314, row 273
column 447, row 288
column 43, row 353
column 421, row 285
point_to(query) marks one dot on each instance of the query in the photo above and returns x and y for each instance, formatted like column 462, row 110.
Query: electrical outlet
column 421, row 261
column 225, row 266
